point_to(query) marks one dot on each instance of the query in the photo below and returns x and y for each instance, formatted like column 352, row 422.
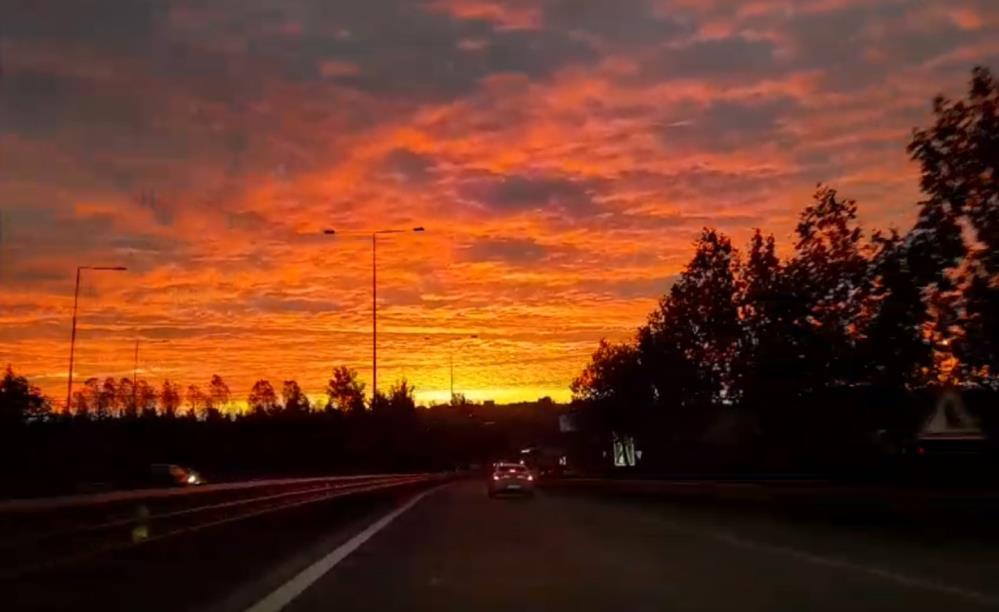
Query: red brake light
column 529, row 477
column 495, row 477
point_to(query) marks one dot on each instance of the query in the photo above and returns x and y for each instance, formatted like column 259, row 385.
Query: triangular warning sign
column 950, row 418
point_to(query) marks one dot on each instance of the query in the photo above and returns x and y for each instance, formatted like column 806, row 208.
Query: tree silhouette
column 169, row 399
column 400, row 403
column 980, row 344
column 295, row 401
column 614, row 381
column 768, row 367
column 762, row 289
column 378, row 403
column 959, row 160
column 125, row 399
column 106, row 399
column 344, row 391
column 20, row 402
column 197, row 402
column 145, row 399
column 698, row 322
column 895, row 350
column 606, row 374
column 51, row 456
column 828, row 274
column 218, row 393
column 85, row 400
column 263, row 400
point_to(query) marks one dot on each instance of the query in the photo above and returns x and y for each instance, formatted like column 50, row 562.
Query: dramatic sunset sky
column 562, row 155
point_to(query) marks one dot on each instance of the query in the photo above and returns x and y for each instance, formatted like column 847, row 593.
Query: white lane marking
column 904, row 580
column 284, row 594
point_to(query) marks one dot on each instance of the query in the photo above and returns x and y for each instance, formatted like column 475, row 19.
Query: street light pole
column 72, row 337
column 450, row 356
column 135, row 374
column 374, row 317
column 72, row 340
column 374, row 296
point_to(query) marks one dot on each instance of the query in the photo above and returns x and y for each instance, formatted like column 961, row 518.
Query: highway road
column 574, row 549
column 458, row 550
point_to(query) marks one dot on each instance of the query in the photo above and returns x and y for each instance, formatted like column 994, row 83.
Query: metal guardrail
column 91, row 499
column 66, row 530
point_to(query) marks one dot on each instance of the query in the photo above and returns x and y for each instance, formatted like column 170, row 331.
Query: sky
column 562, row 155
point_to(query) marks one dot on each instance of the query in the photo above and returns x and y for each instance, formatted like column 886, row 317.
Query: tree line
column 117, row 429
column 757, row 355
column 22, row 402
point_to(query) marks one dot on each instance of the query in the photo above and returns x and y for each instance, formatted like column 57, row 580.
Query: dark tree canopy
column 827, row 277
column 895, row 350
column 849, row 312
column 20, row 401
column 959, row 161
column 294, row 399
column 344, row 391
column 401, row 398
column 263, row 399
column 197, row 402
column 219, row 395
column 169, row 398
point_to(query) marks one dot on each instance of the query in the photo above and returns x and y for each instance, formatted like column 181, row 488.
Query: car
column 172, row 475
column 510, row 478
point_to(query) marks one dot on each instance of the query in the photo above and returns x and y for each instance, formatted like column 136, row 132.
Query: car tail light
column 495, row 477
column 529, row 477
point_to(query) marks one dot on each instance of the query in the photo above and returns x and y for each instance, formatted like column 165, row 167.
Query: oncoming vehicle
column 510, row 478
column 172, row 475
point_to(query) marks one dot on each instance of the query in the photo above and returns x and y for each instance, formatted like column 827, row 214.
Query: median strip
column 89, row 549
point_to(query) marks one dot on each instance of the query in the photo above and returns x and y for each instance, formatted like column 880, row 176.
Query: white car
column 510, row 478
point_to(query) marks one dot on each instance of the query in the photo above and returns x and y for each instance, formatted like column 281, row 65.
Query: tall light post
column 450, row 355
column 135, row 375
column 72, row 338
column 374, row 293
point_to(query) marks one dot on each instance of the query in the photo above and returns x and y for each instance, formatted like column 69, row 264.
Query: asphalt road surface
column 457, row 549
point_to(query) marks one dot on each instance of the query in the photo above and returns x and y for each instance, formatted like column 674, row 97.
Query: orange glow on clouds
column 562, row 157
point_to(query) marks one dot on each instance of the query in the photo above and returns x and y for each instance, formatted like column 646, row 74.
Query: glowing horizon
column 562, row 157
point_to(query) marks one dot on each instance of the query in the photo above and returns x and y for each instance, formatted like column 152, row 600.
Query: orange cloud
column 562, row 163
column 503, row 14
